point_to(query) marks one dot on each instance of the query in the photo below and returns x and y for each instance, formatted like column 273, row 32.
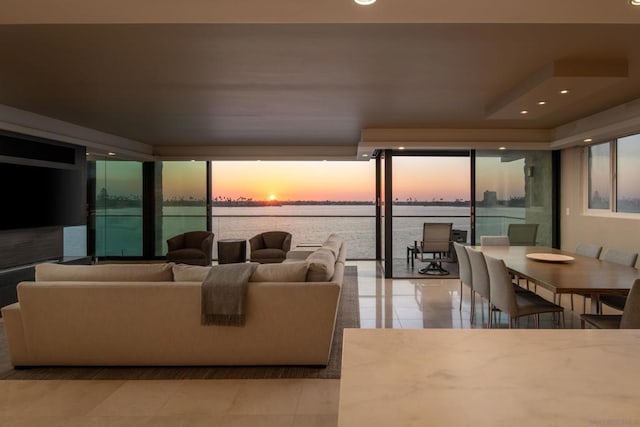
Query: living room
column 155, row 85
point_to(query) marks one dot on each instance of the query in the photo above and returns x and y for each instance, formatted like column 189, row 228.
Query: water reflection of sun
column 272, row 197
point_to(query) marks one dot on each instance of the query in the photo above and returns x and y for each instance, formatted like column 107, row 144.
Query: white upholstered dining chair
column 516, row 304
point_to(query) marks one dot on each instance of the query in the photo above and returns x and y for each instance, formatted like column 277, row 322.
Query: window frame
column 612, row 211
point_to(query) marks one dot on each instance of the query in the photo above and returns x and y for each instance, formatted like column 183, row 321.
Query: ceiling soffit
column 557, row 86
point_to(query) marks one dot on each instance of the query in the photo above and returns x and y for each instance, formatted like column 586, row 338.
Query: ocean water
column 119, row 232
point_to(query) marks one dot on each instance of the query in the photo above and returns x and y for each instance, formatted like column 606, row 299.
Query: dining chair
column 516, row 304
column 480, row 279
column 590, row 250
column 436, row 241
column 522, row 234
column 623, row 258
column 629, row 319
column 464, row 267
column 494, row 241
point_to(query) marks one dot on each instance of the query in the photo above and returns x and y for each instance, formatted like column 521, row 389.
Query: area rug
column 348, row 317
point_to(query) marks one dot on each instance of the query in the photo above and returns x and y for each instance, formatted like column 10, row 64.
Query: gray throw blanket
column 223, row 294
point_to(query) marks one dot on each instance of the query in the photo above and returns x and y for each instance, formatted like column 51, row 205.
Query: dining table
column 563, row 272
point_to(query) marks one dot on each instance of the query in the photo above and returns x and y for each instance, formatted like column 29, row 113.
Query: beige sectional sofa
column 149, row 314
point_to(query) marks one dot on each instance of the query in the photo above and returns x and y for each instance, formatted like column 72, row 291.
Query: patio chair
column 434, row 247
column 522, row 234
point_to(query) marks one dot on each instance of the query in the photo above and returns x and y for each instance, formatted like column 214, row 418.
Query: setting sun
column 272, row 197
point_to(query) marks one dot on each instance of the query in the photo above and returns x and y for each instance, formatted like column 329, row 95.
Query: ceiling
column 216, row 89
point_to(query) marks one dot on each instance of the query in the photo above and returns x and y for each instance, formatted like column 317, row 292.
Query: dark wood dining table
column 582, row 275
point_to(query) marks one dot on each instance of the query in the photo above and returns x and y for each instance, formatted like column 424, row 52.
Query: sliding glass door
column 514, row 187
column 479, row 192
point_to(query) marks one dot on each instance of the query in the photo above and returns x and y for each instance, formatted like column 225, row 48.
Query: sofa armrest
column 256, row 242
column 176, row 242
column 286, row 243
column 207, row 245
column 14, row 331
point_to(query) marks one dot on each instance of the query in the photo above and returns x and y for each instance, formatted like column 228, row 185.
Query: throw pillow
column 321, row 265
column 281, row 272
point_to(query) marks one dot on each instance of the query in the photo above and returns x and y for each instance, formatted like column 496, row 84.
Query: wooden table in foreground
column 584, row 275
column 482, row 377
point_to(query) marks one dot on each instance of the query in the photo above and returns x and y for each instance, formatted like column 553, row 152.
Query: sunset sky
column 420, row 178
column 287, row 180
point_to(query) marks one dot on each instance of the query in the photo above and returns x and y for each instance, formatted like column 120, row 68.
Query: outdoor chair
column 522, row 234
column 434, row 247
column 494, row 241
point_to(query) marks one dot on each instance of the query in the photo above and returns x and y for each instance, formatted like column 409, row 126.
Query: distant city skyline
column 414, row 178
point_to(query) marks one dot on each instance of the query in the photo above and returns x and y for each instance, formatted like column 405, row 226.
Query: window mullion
column 614, row 175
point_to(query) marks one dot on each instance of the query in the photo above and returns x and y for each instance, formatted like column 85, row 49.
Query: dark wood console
column 22, row 249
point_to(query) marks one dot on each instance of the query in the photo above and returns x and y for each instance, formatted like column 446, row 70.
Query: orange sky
column 308, row 180
column 420, row 178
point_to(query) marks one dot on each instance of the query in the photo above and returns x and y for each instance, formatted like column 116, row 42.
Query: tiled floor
column 397, row 303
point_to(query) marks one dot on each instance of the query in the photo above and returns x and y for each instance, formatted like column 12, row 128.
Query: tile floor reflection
column 384, row 303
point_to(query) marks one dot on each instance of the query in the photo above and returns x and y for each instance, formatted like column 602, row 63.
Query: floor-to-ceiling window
column 514, row 186
column 182, row 190
column 116, row 220
column 309, row 199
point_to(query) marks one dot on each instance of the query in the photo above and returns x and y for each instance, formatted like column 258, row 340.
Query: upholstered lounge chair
column 192, row 247
column 270, row 246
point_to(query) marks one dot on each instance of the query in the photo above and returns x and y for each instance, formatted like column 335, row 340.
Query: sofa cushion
column 268, row 254
column 158, row 272
column 321, row 265
column 190, row 273
column 295, row 271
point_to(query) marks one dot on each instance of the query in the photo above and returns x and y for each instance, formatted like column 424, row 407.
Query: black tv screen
column 34, row 196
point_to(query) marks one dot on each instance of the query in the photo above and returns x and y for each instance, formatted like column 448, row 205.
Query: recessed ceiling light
column 364, row 2
column 502, row 148
column 111, row 153
column 524, row 112
column 564, row 91
column 542, row 102
column 588, row 140
column 635, row 2
column 365, row 155
column 400, row 148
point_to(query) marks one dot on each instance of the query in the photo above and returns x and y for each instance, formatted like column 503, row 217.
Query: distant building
column 490, row 198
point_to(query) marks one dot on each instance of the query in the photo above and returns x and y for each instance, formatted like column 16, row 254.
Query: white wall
column 619, row 233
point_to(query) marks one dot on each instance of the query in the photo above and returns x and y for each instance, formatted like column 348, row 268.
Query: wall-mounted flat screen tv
column 34, row 196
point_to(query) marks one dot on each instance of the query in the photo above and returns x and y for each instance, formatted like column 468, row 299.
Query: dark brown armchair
column 192, row 247
column 270, row 246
